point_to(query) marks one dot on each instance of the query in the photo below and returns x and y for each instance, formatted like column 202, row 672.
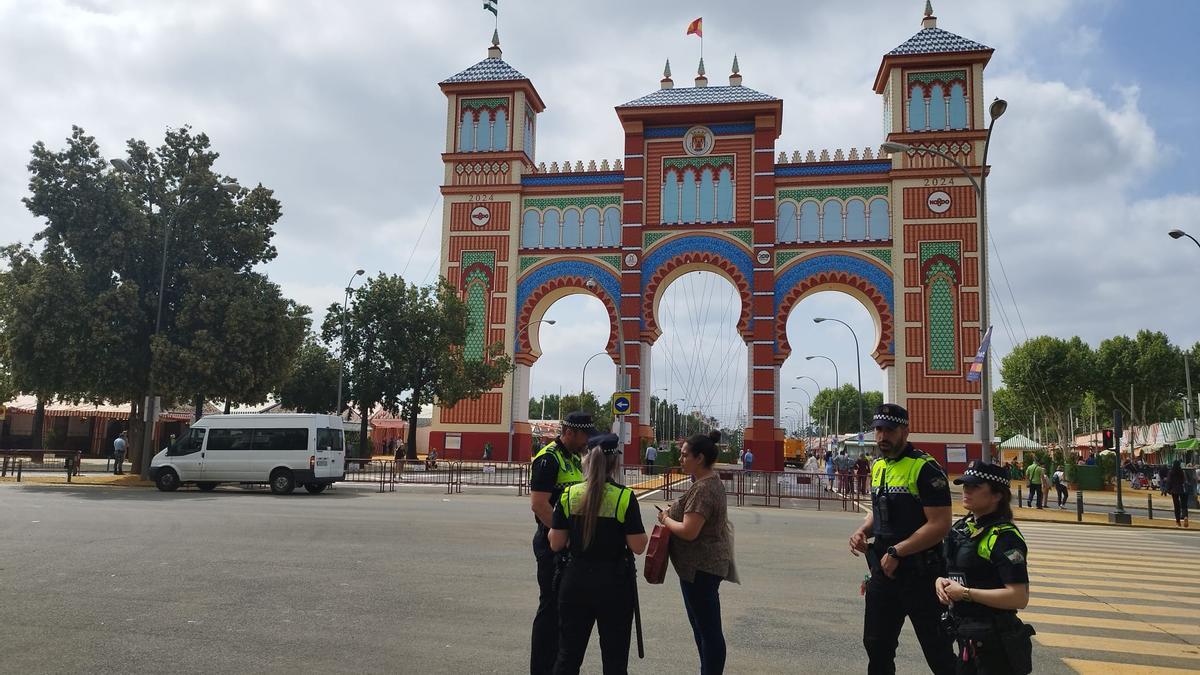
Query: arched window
column 551, row 230
column 670, row 198
column 937, row 107
column 725, row 196
column 831, row 221
column 689, row 193
column 881, row 226
column 466, row 132
column 856, row 220
column 531, row 229
column 916, row 109
column 529, row 126
column 708, row 196
column 612, row 226
column 958, row 106
column 810, row 221
column 785, row 223
column 500, row 130
column 570, row 237
column 591, row 226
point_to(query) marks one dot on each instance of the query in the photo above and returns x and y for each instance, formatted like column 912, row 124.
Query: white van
column 282, row 450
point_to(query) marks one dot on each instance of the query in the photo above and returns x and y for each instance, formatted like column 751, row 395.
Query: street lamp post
column 673, row 429
column 837, row 387
column 1176, row 234
column 512, row 412
column 995, row 110
column 593, row 286
column 583, row 378
column 658, row 417
column 342, row 349
column 858, row 368
column 150, row 409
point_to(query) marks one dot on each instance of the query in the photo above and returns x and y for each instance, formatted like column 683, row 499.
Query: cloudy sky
column 335, row 106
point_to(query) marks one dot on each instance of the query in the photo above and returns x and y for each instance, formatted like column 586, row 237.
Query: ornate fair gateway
column 701, row 186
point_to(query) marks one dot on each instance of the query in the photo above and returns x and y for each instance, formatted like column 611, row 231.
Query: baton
column 637, row 610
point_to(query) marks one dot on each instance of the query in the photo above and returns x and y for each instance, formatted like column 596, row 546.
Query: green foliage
column 311, row 383
column 1107, row 461
column 1151, row 364
column 1050, row 376
column 825, row 406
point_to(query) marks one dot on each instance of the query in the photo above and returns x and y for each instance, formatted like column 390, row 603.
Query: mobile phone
column 658, row 507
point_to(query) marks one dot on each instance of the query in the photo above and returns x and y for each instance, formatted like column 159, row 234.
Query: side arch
column 856, row 276
column 680, row 255
column 543, row 285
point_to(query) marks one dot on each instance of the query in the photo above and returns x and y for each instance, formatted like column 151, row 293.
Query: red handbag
column 655, row 569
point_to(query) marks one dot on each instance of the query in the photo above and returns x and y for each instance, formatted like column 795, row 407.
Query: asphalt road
column 127, row 580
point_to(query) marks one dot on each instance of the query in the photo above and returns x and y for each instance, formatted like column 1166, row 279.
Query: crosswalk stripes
column 1112, row 600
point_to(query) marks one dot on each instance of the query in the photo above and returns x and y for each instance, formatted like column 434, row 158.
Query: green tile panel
column 578, row 202
column 821, row 194
column 782, row 257
column 649, row 238
column 710, row 161
column 528, row 261
column 950, row 249
column 477, row 103
column 613, row 260
column 944, row 76
column 746, row 236
column 941, row 326
column 884, row 254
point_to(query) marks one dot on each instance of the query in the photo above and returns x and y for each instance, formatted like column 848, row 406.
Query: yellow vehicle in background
column 794, row 452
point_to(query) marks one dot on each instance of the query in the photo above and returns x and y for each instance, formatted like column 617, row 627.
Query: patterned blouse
column 712, row 550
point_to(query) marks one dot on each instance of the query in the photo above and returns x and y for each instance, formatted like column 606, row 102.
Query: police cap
column 581, row 421
column 890, row 415
column 979, row 472
column 606, row 442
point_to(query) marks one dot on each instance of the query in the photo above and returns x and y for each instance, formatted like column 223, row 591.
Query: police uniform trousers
column 544, row 647
column 888, row 601
column 595, row 593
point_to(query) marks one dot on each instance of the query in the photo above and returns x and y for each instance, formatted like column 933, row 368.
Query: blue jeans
column 702, row 601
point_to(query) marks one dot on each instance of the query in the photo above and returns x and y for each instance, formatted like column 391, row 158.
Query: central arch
column 690, row 253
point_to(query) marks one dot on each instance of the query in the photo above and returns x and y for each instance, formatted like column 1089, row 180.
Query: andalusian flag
column 696, row 28
column 490, row 5
column 977, row 365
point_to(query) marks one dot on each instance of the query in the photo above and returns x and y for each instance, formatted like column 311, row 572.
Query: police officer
column 988, row 580
column 910, row 516
column 599, row 524
column 553, row 469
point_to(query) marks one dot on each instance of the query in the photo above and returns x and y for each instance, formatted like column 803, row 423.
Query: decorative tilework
column 937, row 41
column 711, row 161
column 821, row 194
column 478, row 103
column 469, row 258
column 574, row 179
column 747, row 236
column 567, row 268
column 719, row 247
column 528, row 261
column 487, row 70
column 884, row 254
column 564, row 202
column 945, row 76
column 817, row 264
column 834, row 169
column 649, row 238
column 717, row 129
column 941, row 326
column 476, row 282
column 614, row 260
column 940, row 267
column 698, row 96
column 950, row 249
column 782, row 257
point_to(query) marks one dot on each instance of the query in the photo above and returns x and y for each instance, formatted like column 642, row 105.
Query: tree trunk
column 199, row 406
column 137, row 440
column 410, row 450
column 227, row 406
column 39, row 423
column 363, row 440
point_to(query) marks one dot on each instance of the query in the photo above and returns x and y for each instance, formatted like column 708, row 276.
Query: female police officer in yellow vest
column 599, row 524
column 988, row 580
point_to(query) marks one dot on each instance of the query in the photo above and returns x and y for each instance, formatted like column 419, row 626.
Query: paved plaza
column 130, row 580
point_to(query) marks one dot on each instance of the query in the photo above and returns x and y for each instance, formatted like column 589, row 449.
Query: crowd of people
column 959, row 583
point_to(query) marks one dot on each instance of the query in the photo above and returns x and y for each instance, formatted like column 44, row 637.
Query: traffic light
column 1108, row 439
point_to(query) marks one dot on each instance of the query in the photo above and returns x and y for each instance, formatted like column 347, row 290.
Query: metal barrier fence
column 772, row 488
column 62, row 462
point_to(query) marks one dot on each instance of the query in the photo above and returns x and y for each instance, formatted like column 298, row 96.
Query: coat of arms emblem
column 698, row 141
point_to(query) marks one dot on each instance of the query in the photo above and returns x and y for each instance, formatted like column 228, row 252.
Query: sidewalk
column 60, row 478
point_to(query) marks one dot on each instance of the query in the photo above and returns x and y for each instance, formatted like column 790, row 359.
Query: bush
column 1107, row 461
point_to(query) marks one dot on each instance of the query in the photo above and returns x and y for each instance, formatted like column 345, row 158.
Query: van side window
column 229, row 439
column 329, row 439
column 191, row 441
column 280, row 439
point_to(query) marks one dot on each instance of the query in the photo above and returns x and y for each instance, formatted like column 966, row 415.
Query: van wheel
column 315, row 488
column 207, row 486
column 282, row 482
column 168, row 480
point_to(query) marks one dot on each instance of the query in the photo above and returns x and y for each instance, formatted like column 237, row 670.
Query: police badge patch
column 1014, row 556
column 938, row 483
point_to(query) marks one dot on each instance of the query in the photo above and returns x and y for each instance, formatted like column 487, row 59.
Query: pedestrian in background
column 1035, row 474
column 701, row 548
column 599, row 524
column 119, row 446
column 1176, row 484
column 651, row 455
column 1059, row 481
column 748, row 460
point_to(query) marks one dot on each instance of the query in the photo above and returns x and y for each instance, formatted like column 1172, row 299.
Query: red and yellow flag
column 696, row 27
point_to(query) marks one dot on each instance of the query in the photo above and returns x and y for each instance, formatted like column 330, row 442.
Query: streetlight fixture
column 837, row 399
column 593, row 286
column 657, row 418
column 1177, row 234
column 342, row 349
column 858, row 367
column 673, row 429
column 995, row 110
column 512, row 408
column 150, row 409
column 583, row 377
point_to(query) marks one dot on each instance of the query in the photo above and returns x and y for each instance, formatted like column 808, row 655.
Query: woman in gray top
column 702, row 548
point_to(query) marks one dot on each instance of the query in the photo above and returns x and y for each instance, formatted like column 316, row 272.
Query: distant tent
column 1012, row 449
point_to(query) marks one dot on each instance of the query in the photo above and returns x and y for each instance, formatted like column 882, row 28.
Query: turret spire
column 735, row 76
column 701, row 80
column 667, row 82
column 930, row 21
column 494, row 51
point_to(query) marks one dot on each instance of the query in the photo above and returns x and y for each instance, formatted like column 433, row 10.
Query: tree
column 1151, row 364
column 1049, row 376
column 1012, row 412
column 311, row 383
column 109, row 229
column 825, row 404
column 601, row 411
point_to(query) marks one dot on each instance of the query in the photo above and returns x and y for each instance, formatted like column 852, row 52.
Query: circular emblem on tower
column 763, row 257
column 480, row 216
column 938, row 202
column 630, row 259
column 698, row 141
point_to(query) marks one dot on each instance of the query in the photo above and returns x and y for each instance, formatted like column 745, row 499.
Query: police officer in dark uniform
column 553, row 469
column 599, row 526
column 988, row 580
column 909, row 519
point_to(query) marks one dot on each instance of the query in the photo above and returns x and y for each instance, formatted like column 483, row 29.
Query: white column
column 520, row 390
